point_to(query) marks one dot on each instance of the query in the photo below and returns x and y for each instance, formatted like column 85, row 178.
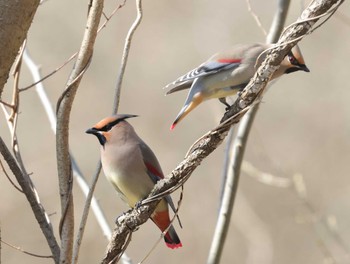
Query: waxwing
column 133, row 169
column 227, row 73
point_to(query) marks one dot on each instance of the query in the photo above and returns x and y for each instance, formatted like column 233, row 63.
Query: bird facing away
column 227, row 73
column 133, row 169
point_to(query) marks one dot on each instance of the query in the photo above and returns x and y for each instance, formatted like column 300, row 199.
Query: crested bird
column 133, row 169
column 228, row 72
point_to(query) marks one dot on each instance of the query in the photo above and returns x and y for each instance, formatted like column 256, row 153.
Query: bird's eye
column 292, row 59
column 108, row 127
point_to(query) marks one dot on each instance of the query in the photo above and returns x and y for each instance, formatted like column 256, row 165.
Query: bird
column 133, row 169
column 228, row 72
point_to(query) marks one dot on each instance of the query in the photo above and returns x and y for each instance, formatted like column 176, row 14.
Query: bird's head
column 103, row 129
column 294, row 61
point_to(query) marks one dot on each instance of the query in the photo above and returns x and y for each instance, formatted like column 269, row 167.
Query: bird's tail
column 192, row 101
column 171, row 239
column 162, row 220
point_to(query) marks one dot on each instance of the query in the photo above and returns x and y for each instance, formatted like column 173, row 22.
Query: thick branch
column 214, row 138
column 16, row 18
column 62, row 139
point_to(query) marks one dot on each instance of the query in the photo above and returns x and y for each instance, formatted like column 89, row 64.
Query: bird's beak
column 92, row 130
column 196, row 100
column 304, row 68
column 101, row 138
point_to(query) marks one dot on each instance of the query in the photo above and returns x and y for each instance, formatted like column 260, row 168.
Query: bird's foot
column 223, row 100
column 138, row 204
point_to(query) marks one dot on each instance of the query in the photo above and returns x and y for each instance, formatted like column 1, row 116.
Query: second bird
column 228, row 72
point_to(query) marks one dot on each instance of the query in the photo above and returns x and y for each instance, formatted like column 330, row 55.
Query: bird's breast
column 126, row 171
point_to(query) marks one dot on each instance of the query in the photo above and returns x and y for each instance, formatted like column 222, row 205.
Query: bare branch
column 278, row 21
column 62, row 139
column 214, row 138
column 24, row 251
column 229, row 194
column 257, row 19
column 16, row 19
column 33, row 200
column 8, row 177
column 125, row 56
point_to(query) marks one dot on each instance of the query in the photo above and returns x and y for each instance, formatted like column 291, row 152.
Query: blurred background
column 302, row 128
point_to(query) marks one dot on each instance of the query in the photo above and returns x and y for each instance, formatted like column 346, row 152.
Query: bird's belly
column 223, row 85
column 131, row 187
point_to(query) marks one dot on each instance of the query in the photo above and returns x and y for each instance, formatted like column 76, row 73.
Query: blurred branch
column 16, row 18
column 24, row 251
column 64, row 106
column 210, row 141
column 125, row 56
column 237, row 154
column 228, row 196
column 33, row 199
column 328, row 239
column 266, row 178
column 257, row 19
column 278, row 21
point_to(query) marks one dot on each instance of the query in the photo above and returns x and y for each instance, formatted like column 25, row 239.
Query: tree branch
column 125, row 56
column 33, row 200
column 62, row 139
column 16, row 18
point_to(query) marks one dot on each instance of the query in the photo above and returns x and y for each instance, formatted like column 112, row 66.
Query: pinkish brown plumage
column 133, row 169
column 228, row 72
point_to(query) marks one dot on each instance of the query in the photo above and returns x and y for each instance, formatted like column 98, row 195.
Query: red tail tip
column 172, row 126
column 173, row 246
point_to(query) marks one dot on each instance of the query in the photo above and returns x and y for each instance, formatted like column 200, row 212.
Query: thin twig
column 166, row 230
column 6, row 104
column 125, row 56
column 24, row 251
column 257, row 19
column 9, row 178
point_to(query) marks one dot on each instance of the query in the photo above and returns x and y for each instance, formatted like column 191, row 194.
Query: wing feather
column 207, row 68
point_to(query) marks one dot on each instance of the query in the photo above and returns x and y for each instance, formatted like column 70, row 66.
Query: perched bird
column 228, row 72
column 133, row 169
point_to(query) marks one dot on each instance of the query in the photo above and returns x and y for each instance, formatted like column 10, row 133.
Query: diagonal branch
column 209, row 142
column 33, row 200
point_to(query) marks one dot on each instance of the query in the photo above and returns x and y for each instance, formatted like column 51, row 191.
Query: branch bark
column 64, row 106
column 209, row 142
column 16, row 18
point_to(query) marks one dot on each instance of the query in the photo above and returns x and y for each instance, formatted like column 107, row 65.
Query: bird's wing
column 210, row 67
column 154, row 170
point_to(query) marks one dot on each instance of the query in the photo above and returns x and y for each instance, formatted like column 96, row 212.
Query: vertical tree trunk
column 15, row 19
